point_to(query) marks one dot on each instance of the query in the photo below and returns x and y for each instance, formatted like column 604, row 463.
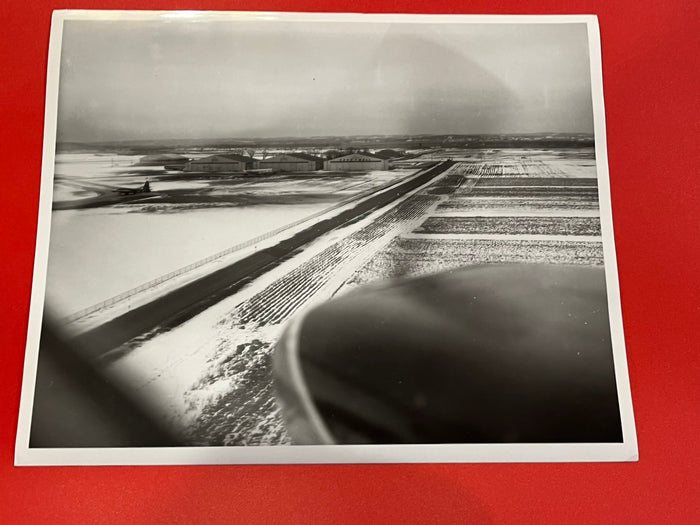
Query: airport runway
column 175, row 308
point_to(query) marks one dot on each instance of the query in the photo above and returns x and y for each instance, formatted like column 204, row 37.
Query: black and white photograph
column 324, row 238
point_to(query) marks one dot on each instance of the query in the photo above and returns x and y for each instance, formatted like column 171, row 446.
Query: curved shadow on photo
column 488, row 354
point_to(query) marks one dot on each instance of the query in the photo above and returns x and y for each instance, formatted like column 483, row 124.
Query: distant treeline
column 350, row 143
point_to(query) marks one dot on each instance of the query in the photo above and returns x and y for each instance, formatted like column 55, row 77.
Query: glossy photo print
column 324, row 238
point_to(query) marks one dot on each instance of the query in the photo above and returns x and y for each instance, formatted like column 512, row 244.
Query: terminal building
column 356, row 162
column 292, row 162
column 221, row 163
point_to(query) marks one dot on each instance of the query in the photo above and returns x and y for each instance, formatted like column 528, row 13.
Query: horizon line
column 302, row 137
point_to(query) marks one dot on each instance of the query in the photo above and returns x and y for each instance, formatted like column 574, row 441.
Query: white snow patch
column 96, row 253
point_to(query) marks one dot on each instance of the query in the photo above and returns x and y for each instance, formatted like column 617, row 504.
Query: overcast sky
column 173, row 79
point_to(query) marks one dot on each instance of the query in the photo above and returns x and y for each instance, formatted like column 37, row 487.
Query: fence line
column 175, row 273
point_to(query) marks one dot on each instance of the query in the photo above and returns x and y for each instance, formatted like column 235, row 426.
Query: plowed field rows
column 582, row 193
column 521, row 168
column 514, row 195
column 512, row 225
column 463, row 203
column 409, row 257
column 282, row 298
column 541, row 181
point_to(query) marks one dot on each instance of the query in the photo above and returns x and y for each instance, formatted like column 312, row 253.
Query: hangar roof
column 232, row 157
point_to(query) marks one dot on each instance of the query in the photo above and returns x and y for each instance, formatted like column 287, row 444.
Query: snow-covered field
column 502, row 206
column 410, row 256
column 563, row 162
column 99, row 252
column 82, row 175
column 512, row 225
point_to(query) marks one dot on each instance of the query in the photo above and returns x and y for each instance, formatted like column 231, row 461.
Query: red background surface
column 650, row 70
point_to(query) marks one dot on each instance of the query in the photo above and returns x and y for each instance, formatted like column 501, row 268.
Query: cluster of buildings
column 291, row 162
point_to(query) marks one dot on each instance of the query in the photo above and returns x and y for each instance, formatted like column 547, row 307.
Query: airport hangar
column 224, row 163
column 356, row 162
column 292, row 162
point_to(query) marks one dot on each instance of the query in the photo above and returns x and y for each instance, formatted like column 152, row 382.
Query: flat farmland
column 515, row 203
column 409, row 257
column 581, row 193
column 550, row 182
column 501, row 206
column 512, row 225
column 526, row 163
